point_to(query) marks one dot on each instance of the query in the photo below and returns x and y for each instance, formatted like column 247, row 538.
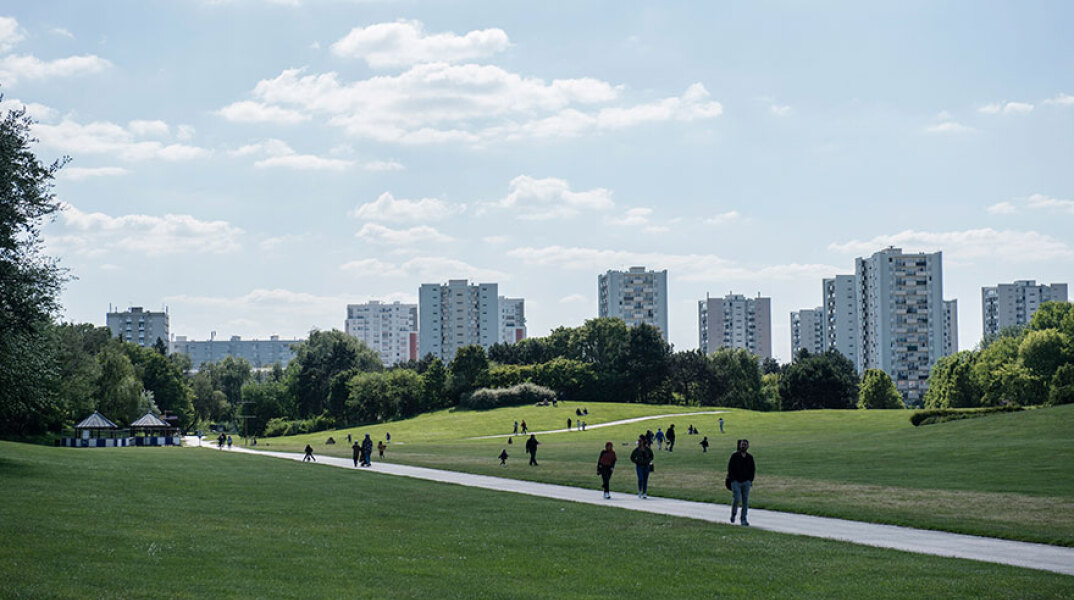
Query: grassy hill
column 1007, row 475
column 180, row 523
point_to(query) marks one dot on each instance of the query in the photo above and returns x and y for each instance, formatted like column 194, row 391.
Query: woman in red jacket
column 605, row 466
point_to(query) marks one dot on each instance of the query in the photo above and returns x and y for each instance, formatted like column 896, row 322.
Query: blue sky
column 256, row 165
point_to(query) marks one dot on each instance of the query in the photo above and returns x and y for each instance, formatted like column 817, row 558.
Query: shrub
column 279, row 427
column 940, row 415
column 518, row 395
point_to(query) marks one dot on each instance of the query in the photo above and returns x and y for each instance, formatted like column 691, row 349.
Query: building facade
column 902, row 316
column 512, row 320
column 457, row 314
column 950, row 327
column 735, row 321
column 808, row 331
column 260, row 353
column 391, row 330
column 139, row 326
column 636, row 296
column 1013, row 304
column 841, row 318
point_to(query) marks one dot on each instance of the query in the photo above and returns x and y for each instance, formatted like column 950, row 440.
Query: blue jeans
column 643, row 478
column 740, row 491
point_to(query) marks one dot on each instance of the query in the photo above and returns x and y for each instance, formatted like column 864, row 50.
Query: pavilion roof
column 96, row 421
column 149, row 421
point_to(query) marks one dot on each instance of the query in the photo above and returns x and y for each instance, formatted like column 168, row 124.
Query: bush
column 280, row 427
column 518, row 395
column 940, row 415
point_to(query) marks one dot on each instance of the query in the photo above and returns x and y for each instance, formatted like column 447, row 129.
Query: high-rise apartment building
column 391, row 330
column 841, row 315
column 260, row 353
column 808, row 331
column 902, row 317
column 735, row 321
column 1010, row 304
column 512, row 320
column 139, row 326
column 636, row 296
column 457, row 314
column 950, row 327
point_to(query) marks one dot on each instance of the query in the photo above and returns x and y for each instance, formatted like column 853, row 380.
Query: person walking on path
column 516, row 428
column 740, row 471
column 380, row 449
column 659, row 437
column 642, row 457
column 568, row 423
column 367, row 451
column 671, row 438
column 356, row 452
column 503, row 457
column 721, row 424
column 705, row 444
column 229, row 442
column 531, row 448
column 220, row 441
column 525, row 429
column 348, row 438
column 309, row 454
column 649, row 437
column 388, row 437
column 605, row 466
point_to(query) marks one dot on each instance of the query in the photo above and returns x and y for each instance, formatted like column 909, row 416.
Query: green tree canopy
column 320, row 358
column 826, row 380
column 878, row 391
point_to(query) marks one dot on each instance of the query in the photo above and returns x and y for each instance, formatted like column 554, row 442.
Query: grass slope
column 1006, row 475
column 180, row 523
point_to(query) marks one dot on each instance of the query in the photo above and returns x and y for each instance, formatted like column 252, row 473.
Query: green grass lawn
column 182, row 523
column 1007, row 475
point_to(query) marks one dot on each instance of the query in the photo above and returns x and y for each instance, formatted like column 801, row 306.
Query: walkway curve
column 1042, row 557
column 598, row 425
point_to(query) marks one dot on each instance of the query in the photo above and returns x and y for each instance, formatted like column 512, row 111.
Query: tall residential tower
column 1010, row 304
column 457, row 314
column 391, row 330
column 635, row 296
column 735, row 321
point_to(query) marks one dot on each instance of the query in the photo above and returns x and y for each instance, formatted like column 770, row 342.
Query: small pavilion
column 150, row 430
column 96, row 431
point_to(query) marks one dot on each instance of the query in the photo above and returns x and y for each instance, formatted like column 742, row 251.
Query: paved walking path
column 1042, row 557
column 598, row 425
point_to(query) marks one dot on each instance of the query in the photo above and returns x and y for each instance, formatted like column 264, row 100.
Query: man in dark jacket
column 531, row 449
column 740, row 471
column 367, row 451
column 670, row 436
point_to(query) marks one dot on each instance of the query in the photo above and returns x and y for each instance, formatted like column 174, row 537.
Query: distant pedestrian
column 585, row 412
column 380, row 449
column 367, row 451
column 503, row 457
column 705, row 444
column 516, row 428
column 348, row 438
column 649, row 437
column 388, row 436
column 531, row 449
column 740, row 472
column 356, row 452
column 671, row 438
column 584, row 425
column 659, row 437
column 642, row 457
column 568, row 423
column 309, row 454
column 220, row 441
column 605, row 466
column 524, row 428
column 229, row 442
column 721, row 424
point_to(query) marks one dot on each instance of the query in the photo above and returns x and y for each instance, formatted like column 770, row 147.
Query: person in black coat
column 367, row 451
column 531, row 449
column 740, row 472
column 670, row 437
column 357, row 453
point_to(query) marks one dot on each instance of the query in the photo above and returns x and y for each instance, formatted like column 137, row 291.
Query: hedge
column 516, row 395
column 941, row 415
column 278, row 427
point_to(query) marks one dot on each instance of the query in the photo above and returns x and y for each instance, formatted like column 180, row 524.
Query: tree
column 76, row 349
column 689, row 377
column 737, row 378
column 826, row 380
column 30, row 283
column 952, row 383
column 1061, row 390
column 467, row 370
column 164, row 379
column 1044, row 351
column 770, row 366
column 878, row 391
column 117, row 389
column 265, row 401
column 647, row 364
column 434, row 384
column 1013, row 383
column 1050, row 315
column 320, row 358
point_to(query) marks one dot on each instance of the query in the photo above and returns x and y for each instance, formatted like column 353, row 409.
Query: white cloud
column 256, row 112
column 15, row 67
column 148, row 128
column 367, row 267
column 103, row 137
column 80, row 173
column 272, row 243
column 10, row 33
column 495, row 239
column 1045, row 202
column 379, row 234
column 550, row 197
column 1002, row 208
column 573, row 299
column 723, row 218
column 1061, row 100
column 780, row 110
column 1006, row 108
column 687, row 267
column 638, row 217
column 949, row 127
column 403, row 43
column 968, row 245
column 63, row 32
column 270, row 147
column 280, row 155
column 387, row 208
column 38, row 112
column 185, row 132
column 94, row 234
column 469, row 104
column 383, row 165
column 433, row 268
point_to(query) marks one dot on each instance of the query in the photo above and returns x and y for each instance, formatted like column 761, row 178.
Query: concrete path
column 599, row 425
column 1042, row 557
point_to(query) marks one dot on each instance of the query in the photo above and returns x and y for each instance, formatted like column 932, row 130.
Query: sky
column 254, row 166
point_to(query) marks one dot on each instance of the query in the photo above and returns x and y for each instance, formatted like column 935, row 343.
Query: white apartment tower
column 139, row 326
column 636, row 296
column 1010, row 304
column 735, row 321
column 457, row 314
column 841, row 315
column 391, row 330
column 512, row 320
column 950, row 327
column 808, row 331
column 902, row 317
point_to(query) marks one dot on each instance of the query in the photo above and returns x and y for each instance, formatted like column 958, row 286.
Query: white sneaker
column 644, row 496
column 639, row 494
